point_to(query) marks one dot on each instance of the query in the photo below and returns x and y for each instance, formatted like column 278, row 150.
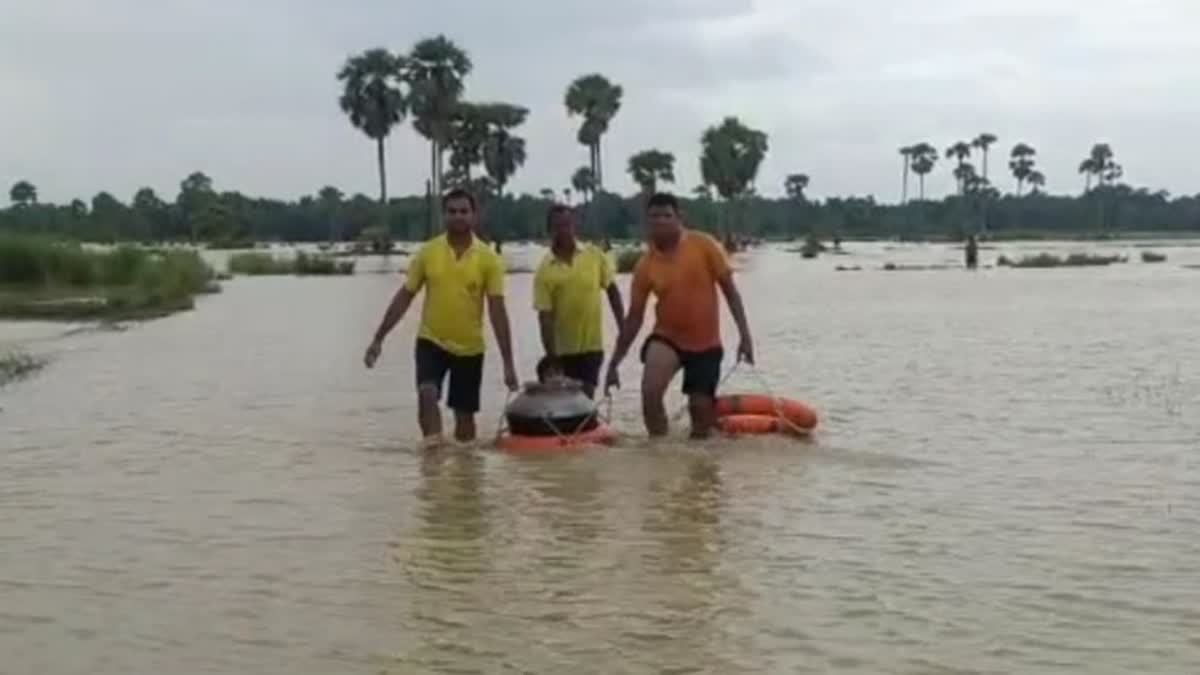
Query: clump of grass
column 304, row 264
column 1048, row 260
column 45, row 279
column 626, row 259
column 18, row 365
column 1152, row 257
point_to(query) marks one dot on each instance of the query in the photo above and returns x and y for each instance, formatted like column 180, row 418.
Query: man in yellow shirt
column 566, row 295
column 457, row 271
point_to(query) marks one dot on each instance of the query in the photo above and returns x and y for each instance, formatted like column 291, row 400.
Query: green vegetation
column 428, row 85
column 1152, row 257
column 626, row 259
column 18, row 365
column 47, row 279
column 303, row 264
column 1047, row 260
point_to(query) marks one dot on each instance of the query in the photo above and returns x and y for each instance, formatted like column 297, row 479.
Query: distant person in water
column 683, row 269
column 567, row 288
column 458, row 272
column 972, row 252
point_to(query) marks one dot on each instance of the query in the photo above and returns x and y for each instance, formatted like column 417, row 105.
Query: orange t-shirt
column 684, row 282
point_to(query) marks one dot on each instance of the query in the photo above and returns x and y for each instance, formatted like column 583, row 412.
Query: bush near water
column 48, row 279
column 303, row 264
column 1049, row 260
column 626, row 259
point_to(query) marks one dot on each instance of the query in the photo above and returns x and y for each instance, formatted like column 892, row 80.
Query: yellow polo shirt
column 571, row 292
column 452, row 317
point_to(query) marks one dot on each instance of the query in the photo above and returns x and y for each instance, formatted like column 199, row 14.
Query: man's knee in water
column 702, row 410
column 428, row 394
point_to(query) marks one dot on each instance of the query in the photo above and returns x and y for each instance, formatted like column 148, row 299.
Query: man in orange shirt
column 683, row 269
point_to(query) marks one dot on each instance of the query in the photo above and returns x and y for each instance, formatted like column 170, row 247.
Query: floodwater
column 1007, row 480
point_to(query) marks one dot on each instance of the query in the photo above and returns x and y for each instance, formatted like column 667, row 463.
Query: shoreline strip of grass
column 303, row 264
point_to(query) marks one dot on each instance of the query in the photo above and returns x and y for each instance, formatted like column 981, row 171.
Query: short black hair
column 546, row 366
column 458, row 193
column 554, row 210
column 662, row 199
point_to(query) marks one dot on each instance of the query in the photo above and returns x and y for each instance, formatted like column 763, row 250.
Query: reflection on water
column 1006, row 481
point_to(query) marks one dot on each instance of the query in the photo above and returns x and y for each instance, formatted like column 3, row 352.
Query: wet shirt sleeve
column 543, row 291
column 414, row 278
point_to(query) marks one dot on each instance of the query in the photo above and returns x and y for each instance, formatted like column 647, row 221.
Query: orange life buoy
column 751, row 424
column 798, row 414
column 601, row 435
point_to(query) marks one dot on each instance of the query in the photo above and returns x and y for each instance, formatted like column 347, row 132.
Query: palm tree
column 648, row 167
column 1036, row 180
column 924, row 158
column 473, row 128
column 1021, row 163
column 372, row 99
column 583, row 182
column 548, row 194
column 731, row 156
column 503, row 154
column 597, row 100
column 983, row 142
column 906, row 154
column 1098, row 163
column 795, row 185
column 435, row 70
column 331, row 201
column 960, row 151
column 23, row 193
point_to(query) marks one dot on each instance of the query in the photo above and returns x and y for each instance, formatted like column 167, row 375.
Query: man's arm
column 546, row 324
column 616, row 303
column 396, row 310
column 498, row 314
column 733, row 298
column 632, row 324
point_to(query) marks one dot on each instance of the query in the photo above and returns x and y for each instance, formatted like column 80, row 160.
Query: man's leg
column 701, row 375
column 661, row 362
column 466, row 380
column 431, row 364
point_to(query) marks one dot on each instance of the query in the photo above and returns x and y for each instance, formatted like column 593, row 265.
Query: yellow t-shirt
column 452, row 317
column 571, row 292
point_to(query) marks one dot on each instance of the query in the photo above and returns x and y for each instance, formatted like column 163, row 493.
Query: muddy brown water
column 1007, row 480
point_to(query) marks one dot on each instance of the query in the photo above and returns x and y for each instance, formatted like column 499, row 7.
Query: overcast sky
column 116, row 94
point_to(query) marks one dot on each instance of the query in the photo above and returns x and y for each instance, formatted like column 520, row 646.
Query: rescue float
column 552, row 416
column 741, row 414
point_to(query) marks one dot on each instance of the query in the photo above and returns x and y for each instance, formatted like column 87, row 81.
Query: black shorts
column 701, row 370
column 584, row 367
column 466, row 375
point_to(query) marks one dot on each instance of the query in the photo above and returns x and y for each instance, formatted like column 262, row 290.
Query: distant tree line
column 477, row 145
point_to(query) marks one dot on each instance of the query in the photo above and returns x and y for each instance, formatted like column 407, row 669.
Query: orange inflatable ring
column 601, row 435
column 751, row 424
column 798, row 416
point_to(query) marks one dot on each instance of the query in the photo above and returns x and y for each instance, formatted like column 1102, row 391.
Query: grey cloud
column 118, row 94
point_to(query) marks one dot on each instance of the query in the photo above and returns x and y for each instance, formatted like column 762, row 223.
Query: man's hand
column 510, row 378
column 372, row 354
column 612, row 380
column 746, row 350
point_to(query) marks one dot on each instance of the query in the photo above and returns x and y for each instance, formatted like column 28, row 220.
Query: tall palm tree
column 731, row 156
column 583, row 182
column 1099, row 164
column 795, row 185
column 435, row 71
column 23, row 193
column 597, row 100
column 1037, row 180
column 959, row 151
column 648, row 167
column 1021, row 163
column 924, row 158
column 906, row 154
column 374, row 102
column 503, row 154
column 331, row 202
column 982, row 142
